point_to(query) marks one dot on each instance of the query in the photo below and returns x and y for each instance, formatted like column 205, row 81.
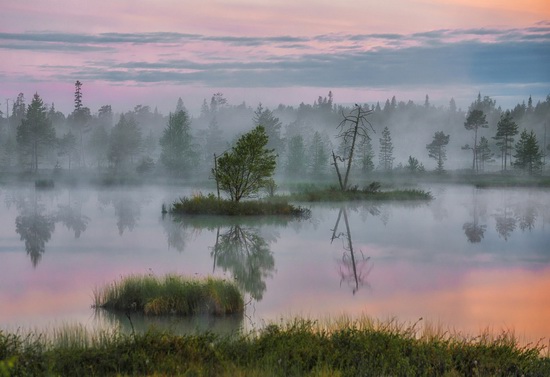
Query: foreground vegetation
column 170, row 295
column 210, row 205
column 295, row 348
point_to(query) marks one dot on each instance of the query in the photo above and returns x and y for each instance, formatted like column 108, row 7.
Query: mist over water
column 470, row 259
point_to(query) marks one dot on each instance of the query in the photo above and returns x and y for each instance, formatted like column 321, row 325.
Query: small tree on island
column 247, row 167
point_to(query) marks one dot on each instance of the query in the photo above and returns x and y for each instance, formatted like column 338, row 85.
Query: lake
column 468, row 261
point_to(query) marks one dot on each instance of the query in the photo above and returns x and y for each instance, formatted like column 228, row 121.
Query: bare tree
column 353, row 129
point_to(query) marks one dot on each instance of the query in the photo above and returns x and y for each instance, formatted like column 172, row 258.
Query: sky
column 151, row 52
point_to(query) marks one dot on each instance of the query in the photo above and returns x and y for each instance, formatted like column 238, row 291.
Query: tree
column 475, row 121
column 353, row 129
column 246, row 168
column 318, row 155
column 506, row 130
column 99, row 142
column 80, row 119
column 484, row 152
column 272, row 124
column 436, row 149
column 178, row 154
column 35, row 133
column 125, row 142
column 296, row 157
column 386, row 150
column 366, row 156
column 528, row 154
column 414, row 165
column 66, row 146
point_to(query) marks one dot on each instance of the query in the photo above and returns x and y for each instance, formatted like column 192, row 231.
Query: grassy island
column 299, row 347
column 370, row 192
column 170, row 295
column 210, row 205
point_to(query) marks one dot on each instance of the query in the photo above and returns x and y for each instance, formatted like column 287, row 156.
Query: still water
column 470, row 260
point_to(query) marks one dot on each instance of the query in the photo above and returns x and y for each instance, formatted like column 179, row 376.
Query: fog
column 106, row 144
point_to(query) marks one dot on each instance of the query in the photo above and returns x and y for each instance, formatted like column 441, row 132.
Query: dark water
column 470, row 260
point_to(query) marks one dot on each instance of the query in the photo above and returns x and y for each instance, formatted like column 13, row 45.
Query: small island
column 170, row 295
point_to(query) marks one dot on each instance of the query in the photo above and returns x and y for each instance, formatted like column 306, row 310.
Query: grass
column 210, row 205
column 369, row 192
column 170, row 295
column 299, row 347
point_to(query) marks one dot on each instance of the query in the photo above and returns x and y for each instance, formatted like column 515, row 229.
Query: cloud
column 333, row 60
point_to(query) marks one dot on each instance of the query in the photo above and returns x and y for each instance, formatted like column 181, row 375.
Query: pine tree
column 386, row 150
column 475, row 120
column 178, row 154
column 296, row 157
column 436, row 149
column 35, row 134
column 506, row 130
column 528, row 154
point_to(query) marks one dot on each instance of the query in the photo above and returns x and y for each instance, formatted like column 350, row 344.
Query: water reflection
column 71, row 215
column 353, row 267
column 241, row 246
column 34, row 226
column 127, row 206
column 247, row 255
column 178, row 325
column 473, row 230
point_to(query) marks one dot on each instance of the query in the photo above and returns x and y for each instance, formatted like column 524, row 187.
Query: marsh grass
column 170, row 295
column 370, row 192
column 342, row 346
column 200, row 204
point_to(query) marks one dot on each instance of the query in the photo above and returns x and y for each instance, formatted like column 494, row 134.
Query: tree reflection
column 35, row 228
column 176, row 235
column 72, row 217
column 505, row 223
column 354, row 268
column 247, row 255
column 473, row 230
column 127, row 209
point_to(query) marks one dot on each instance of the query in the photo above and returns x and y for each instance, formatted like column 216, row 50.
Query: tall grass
column 170, row 295
column 297, row 347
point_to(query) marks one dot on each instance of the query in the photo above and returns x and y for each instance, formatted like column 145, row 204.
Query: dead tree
column 353, row 129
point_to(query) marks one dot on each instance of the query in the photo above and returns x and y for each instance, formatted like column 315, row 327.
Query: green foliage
column 296, row 157
column 178, row 154
column 474, row 121
column 244, row 170
column 414, row 166
column 171, row 294
column 528, row 154
column 35, row 134
column 386, row 150
column 124, row 143
column 210, row 205
column 436, row 149
column 299, row 347
column 506, row 130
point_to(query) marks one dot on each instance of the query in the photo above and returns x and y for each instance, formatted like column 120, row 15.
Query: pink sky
column 152, row 52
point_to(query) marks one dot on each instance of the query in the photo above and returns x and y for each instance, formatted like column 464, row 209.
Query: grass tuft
column 170, row 295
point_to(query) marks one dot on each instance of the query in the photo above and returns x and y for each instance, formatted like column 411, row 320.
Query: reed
column 170, row 295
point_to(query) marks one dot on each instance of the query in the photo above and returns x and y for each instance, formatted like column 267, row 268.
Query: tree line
column 306, row 140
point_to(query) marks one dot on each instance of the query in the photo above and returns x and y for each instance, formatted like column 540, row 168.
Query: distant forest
column 403, row 137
